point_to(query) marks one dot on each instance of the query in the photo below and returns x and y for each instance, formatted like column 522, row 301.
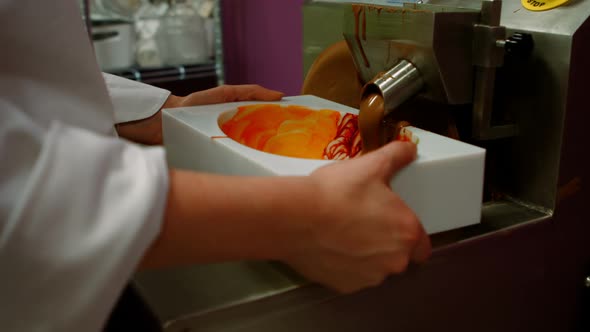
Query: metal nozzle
column 396, row 85
column 383, row 95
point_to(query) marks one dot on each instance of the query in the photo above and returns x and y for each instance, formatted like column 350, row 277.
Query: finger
column 391, row 158
column 387, row 263
column 230, row 93
column 423, row 248
column 252, row 92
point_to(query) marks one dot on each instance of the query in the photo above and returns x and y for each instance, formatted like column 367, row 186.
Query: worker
column 82, row 207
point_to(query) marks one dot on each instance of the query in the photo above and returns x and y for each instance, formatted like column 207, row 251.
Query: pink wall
column 263, row 43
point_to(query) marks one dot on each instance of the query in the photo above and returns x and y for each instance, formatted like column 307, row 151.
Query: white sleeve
column 134, row 100
column 77, row 212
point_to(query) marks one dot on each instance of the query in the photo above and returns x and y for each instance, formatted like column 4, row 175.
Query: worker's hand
column 224, row 94
column 367, row 232
column 149, row 131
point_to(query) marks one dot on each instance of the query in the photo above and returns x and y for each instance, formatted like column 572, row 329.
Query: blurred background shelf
column 172, row 44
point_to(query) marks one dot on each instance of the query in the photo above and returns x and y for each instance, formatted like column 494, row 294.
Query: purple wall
column 263, row 43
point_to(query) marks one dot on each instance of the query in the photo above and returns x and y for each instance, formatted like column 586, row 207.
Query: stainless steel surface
column 396, row 85
column 222, row 297
column 535, row 93
column 197, row 290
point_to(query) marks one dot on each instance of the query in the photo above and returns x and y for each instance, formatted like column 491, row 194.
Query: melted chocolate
column 370, row 119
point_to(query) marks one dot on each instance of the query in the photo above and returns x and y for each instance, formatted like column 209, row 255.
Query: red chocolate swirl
column 347, row 143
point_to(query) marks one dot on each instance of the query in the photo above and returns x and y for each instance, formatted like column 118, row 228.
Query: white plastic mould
column 444, row 185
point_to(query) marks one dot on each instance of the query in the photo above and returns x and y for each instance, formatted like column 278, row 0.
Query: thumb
column 392, row 158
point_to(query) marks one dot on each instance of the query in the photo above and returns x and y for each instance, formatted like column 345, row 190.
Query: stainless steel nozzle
column 396, row 85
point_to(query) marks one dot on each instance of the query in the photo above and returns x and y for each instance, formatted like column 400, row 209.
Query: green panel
column 322, row 27
column 323, row 24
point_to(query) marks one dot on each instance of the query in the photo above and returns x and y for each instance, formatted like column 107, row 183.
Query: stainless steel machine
column 513, row 81
column 479, row 59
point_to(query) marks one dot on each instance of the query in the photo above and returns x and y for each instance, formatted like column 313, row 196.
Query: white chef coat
column 78, row 206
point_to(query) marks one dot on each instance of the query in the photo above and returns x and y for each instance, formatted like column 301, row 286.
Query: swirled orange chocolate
column 293, row 131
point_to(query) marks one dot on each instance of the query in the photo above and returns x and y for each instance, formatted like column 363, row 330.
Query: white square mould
column 443, row 185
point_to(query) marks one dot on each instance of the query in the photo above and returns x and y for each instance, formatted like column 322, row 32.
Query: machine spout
column 383, row 95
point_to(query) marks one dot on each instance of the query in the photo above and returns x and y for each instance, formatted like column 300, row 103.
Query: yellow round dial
column 540, row 5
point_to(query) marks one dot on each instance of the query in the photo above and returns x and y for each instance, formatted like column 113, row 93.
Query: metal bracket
column 488, row 54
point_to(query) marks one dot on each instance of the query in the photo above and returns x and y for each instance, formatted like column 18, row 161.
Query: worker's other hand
column 224, row 94
column 149, row 131
column 367, row 232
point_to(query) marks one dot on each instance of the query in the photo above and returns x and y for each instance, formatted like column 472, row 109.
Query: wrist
column 304, row 210
column 146, row 131
column 172, row 101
